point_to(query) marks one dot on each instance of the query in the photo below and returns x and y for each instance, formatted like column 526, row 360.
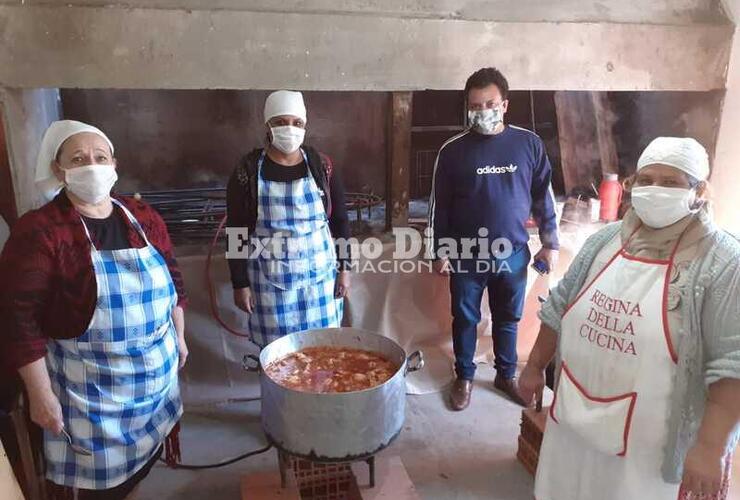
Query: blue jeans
column 506, row 292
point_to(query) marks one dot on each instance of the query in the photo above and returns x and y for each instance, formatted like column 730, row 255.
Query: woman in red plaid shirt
column 91, row 300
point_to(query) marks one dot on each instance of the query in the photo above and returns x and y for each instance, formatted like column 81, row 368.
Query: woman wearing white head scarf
column 291, row 201
column 645, row 324
column 48, row 179
column 91, row 306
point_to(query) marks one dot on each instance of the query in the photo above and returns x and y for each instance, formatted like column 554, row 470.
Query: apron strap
column 130, row 217
column 261, row 161
column 133, row 221
column 263, row 154
column 672, row 255
column 598, row 275
column 622, row 249
column 675, row 248
column 87, row 233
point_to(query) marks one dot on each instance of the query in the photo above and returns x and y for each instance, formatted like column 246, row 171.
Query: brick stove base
column 391, row 481
column 530, row 438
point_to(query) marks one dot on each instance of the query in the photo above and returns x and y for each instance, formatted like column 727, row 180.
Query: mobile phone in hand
column 541, row 267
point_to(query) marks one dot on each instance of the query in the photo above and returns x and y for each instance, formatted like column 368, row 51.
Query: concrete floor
column 448, row 455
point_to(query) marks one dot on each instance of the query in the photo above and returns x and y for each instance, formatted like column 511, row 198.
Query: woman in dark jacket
column 291, row 202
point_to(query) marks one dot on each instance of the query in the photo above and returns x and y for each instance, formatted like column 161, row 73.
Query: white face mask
column 287, row 138
column 659, row 206
column 486, row 120
column 91, row 183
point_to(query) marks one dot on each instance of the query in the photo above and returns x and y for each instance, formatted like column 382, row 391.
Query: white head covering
column 285, row 102
column 683, row 153
column 46, row 182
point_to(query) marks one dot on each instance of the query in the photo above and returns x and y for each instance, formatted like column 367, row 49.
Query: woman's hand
column 531, row 383
column 46, row 412
column 178, row 319
column 704, row 466
column 45, row 409
column 703, row 470
column 182, row 350
column 532, row 379
column 244, row 300
column 341, row 289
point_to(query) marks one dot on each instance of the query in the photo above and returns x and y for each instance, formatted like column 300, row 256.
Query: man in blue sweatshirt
column 487, row 182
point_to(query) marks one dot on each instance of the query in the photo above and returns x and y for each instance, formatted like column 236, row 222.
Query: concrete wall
column 616, row 11
column 97, row 47
column 170, row 139
column 27, row 114
column 375, row 45
column 726, row 169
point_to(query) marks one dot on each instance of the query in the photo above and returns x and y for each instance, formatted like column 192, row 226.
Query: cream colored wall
column 100, row 47
column 725, row 178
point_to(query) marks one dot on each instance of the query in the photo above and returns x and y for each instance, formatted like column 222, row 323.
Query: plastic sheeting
column 411, row 308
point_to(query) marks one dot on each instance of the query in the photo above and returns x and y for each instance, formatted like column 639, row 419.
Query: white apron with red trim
column 607, row 427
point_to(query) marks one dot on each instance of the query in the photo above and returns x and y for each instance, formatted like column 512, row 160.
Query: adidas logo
column 489, row 169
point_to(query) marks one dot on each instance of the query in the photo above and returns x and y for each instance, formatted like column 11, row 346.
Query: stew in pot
column 331, row 369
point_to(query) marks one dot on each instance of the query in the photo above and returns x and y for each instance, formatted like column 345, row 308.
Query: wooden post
column 578, row 149
column 604, row 124
column 398, row 171
column 33, row 478
column 587, row 147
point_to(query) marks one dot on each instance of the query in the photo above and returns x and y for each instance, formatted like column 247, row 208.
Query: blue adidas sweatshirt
column 496, row 182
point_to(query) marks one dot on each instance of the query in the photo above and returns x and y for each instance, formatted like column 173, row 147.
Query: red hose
column 209, row 284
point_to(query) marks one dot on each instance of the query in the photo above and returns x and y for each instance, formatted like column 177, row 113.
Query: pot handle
column 414, row 362
column 251, row 363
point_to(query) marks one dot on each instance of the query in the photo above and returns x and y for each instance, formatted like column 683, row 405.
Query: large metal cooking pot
column 334, row 427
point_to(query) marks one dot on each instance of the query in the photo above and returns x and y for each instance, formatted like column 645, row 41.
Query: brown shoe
column 460, row 394
column 509, row 387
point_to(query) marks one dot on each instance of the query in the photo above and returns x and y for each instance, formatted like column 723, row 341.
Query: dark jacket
column 493, row 182
column 241, row 202
column 47, row 281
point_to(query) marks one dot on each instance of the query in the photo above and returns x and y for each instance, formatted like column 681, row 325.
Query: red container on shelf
column 610, row 196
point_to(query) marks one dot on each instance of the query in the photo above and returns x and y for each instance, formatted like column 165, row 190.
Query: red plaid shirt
column 47, row 283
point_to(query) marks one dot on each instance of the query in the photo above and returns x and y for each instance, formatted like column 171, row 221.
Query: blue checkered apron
column 293, row 287
column 117, row 383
